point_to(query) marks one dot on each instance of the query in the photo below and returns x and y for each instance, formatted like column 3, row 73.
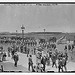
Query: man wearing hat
column 16, row 58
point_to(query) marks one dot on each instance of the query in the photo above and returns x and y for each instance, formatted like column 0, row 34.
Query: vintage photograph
column 37, row 37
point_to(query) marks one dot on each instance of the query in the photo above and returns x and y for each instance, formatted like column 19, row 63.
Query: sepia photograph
column 37, row 37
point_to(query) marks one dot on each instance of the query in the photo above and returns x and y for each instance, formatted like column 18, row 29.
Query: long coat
column 15, row 57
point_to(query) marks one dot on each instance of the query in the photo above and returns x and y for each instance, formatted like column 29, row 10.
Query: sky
column 35, row 18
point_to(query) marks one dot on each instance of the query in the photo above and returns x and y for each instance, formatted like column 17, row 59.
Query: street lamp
column 22, row 28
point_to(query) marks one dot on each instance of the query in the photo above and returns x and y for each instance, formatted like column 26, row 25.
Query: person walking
column 16, row 58
column 4, row 56
column 66, row 56
column 60, row 67
column 30, row 63
column 69, row 47
column 54, row 58
column 8, row 51
column 64, row 61
column 48, row 59
column 43, row 61
column 1, row 56
column 72, row 48
column 12, row 52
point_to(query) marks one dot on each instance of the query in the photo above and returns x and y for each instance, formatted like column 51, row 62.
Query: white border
column 37, row 0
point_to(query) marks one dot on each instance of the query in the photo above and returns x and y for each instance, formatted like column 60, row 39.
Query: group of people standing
column 12, row 51
column 2, row 54
column 70, row 49
column 57, row 58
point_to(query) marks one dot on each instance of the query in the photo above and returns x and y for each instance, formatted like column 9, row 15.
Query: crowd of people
column 27, row 41
column 2, row 54
column 52, row 55
column 12, row 52
column 59, row 59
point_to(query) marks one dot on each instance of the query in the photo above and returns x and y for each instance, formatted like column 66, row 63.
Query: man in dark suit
column 30, row 63
column 16, row 58
column 43, row 61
